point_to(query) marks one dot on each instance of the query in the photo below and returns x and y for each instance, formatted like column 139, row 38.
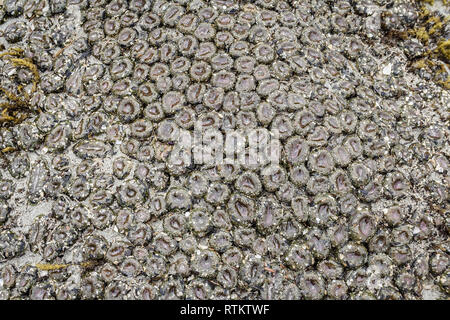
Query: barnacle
column 444, row 49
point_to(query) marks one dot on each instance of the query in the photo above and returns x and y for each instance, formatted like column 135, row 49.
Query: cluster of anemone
column 93, row 206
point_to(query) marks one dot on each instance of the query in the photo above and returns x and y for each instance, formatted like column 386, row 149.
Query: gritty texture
column 92, row 207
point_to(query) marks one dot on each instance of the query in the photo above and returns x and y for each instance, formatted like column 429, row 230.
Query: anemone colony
column 94, row 94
